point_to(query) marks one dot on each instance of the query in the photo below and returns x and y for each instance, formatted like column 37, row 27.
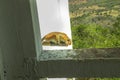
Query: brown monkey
column 56, row 38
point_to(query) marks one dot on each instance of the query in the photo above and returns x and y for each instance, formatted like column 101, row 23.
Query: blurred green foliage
column 96, row 36
column 107, row 79
column 95, row 27
column 94, row 79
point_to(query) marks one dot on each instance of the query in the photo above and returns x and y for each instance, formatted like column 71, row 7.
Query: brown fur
column 57, row 38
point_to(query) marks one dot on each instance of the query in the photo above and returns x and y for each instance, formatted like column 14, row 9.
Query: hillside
column 95, row 23
column 102, row 12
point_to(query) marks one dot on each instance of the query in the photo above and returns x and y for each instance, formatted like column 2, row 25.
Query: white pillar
column 54, row 17
column 56, row 78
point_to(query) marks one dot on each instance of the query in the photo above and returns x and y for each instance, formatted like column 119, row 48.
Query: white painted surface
column 59, row 78
column 56, row 78
column 54, row 17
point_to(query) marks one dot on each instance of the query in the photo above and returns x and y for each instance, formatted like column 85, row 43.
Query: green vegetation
column 95, row 23
column 107, row 79
column 94, row 36
column 94, row 79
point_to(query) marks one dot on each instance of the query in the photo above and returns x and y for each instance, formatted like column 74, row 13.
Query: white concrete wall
column 54, row 17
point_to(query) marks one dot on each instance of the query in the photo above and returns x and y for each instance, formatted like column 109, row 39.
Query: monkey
column 56, row 38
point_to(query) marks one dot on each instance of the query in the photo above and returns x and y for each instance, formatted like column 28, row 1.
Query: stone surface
column 78, row 54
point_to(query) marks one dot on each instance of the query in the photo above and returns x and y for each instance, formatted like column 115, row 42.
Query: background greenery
column 95, row 23
column 94, row 79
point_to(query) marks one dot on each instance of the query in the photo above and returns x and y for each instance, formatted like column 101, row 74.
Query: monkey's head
column 68, row 42
column 65, row 42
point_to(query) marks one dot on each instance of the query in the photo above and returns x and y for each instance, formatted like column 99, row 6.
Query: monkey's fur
column 56, row 39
